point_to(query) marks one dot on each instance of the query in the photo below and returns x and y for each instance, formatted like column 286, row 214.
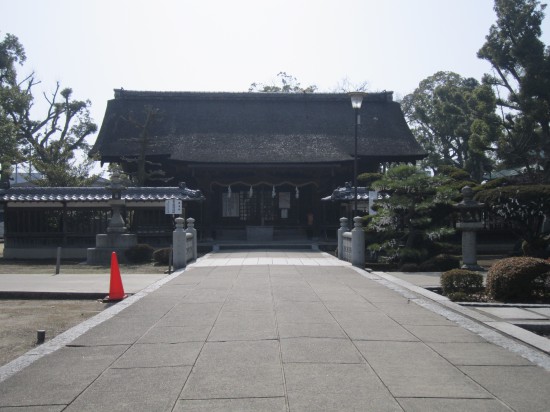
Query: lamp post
column 356, row 100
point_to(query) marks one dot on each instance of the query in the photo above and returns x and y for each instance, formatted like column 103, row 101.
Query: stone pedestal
column 108, row 243
column 469, row 244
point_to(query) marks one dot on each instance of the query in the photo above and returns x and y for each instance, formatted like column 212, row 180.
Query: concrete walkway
column 292, row 331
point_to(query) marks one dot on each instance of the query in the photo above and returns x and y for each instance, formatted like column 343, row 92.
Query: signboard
column 230, row 205
column 173, row 207
column 284, row 200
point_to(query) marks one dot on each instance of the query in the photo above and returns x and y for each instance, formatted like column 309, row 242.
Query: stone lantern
column 469, row 223
column 116, row 223
column 116, row 239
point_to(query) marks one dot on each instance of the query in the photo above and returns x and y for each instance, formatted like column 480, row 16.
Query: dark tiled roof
column 257, row 127
column 96, row 194
column 347, row 193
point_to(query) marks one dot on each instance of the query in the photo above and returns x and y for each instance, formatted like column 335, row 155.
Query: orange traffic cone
column 116, row 290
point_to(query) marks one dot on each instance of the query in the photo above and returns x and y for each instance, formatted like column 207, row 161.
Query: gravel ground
column 20, row 319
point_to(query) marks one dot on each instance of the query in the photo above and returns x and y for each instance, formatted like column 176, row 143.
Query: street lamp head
column 356, row 99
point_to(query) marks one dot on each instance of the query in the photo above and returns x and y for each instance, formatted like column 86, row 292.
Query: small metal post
column 40, row 336
column 58, row 261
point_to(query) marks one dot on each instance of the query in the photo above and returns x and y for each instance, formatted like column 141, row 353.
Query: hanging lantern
column 229, row 192
column 250, row 192
column 273, row 193
column 297, row 193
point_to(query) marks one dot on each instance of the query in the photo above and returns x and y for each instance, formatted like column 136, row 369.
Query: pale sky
column 95, row 46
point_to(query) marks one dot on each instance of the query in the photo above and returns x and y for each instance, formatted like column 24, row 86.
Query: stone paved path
column 277, row 331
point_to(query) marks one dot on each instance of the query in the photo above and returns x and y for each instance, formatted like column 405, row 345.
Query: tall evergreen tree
column 521, row 78
column 454, row 119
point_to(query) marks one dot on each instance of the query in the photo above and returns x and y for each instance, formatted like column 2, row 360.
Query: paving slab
column 319, row 350
column 41, row 408
column 156, row 355
column 192, row 314
column 452, row 405
column 372, row 326
column 443, row 333
column 302, row 312
column 520, row 387
column 412, row 369
column 244, row 325
column 411, row 314
column 380, row 294
column 133, row 390
column 115, row 331
column 277, row 404
column 349, row 306
column 336, row 387
column 58, row 378
column 477, row 353
column 176, row 334
column 311, row 330
column 236, row 370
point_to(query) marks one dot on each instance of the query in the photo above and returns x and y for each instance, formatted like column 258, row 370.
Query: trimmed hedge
column 139, row 253
column 517, row 278
column 461, row 281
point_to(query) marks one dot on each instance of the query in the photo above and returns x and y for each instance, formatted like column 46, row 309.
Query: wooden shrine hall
column 263, row 161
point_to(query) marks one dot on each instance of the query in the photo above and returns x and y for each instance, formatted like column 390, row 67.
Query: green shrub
column 139, row 253
column 440, row 263
column 517, row 278
column 461, row 281
column 162, row 256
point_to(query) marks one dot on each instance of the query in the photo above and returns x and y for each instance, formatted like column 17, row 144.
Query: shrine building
column 263, row 161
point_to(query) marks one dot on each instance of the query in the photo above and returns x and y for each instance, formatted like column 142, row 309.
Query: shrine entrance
column 264, row 210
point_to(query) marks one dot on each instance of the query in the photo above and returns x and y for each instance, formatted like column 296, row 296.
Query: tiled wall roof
column 96, row 194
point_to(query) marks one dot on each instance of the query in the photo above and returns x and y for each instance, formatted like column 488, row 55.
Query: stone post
column 470, row 222
column 191, row 229
column 179, row 245
column 358, row 243
column 343, row 228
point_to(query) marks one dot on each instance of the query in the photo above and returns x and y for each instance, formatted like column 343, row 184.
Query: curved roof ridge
column 138, row 94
